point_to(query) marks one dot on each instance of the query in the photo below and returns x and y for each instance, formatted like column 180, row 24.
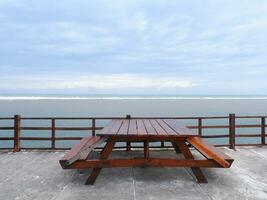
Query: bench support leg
column 128, row 146
column 176, row 148
column 187, row 154
column 104, row 156
column 146, row 149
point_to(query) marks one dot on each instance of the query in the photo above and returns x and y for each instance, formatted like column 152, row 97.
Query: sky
column 133, row 47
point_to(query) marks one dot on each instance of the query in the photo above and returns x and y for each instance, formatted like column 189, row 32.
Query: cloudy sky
column 146, row 47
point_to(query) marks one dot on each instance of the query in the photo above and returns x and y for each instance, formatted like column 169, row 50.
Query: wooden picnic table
column 145, row 131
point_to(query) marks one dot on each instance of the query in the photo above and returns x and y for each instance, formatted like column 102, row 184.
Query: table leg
column 176, row 148
column 187, row 154
column 104, row 156
column 128, row 146
column 146, row 149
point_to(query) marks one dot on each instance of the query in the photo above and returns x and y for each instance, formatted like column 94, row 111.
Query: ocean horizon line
column 134, row 97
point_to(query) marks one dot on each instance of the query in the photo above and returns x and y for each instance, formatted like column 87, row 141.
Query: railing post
column 263, row 130
column 200, row 127
column 128, row 144
column 93, row 126
column 17, row 128
column 53, row 133
column 232, row 131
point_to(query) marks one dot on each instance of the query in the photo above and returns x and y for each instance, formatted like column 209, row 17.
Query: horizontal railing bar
column 215, row 136
column 60, row 128
column 7, row 128
column 255, row 144
column 251, row 116
column 77, row 128
column 49, row 138
column 221, row 145
column 3, row 148
column 36, row 128
column 35, row 138
column 250, row 126
column 68, row 138
column 248, row 135
column 206, row 127
column 44, row 148
column 99, row 128
column 73, row 128
column 110, row 118
column 6, row 138
column 6, row 118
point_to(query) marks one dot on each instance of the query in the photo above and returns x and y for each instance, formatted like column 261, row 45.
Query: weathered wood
column 17, row 122
column 211, row 152
column 200, row 127
column 188, row 155
column 81, row 150
column 232, row 131
column 263, row 130
column 123, row 130
column 93, row 127
column 167, row 129
column 141, row 130
column 149, row 128
column 146, row 149
column 104, row 155
column 143, row 162
column 176, row 147
column 180, row 130
column 140, row 138
column 112, row 128
column 53, row 133
column 158, row 129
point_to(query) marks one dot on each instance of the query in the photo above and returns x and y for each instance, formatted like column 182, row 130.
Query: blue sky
column 146, row 47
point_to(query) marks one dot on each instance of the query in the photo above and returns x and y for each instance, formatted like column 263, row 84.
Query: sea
column 108, row 105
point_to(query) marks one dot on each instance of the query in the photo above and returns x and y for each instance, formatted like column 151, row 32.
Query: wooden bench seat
column 211, row 152
column 80, row 151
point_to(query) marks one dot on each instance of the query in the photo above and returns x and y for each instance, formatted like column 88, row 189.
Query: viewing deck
column 38, row 175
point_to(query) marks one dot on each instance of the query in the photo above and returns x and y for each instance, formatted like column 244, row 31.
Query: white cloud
column 209, row 41
column 96, row 82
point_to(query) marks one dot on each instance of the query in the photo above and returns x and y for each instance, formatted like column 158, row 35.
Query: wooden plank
column 146, row 149
column 81, row 150
column 143, row 162
column 53, row 133
column 112, row 129
column 149, row 128
column 176, row 147
column 232, row 131
column 72, row 155
column 210, row 152
column 17, row 132
column 151, row 137
column 166, row 127
column 263, row 130
column 181, row 130
column 104, row 155
column 157, row 127
column 132, row 127
column 141, row 130
column 124, row 127
column 90, row 145
column 107, row 128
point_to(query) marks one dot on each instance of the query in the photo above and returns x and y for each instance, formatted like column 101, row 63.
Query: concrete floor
column 38, row 176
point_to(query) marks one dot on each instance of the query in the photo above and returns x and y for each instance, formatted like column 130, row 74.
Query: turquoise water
column 114, row 106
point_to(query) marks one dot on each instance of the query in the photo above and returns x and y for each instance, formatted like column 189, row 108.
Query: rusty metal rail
column 230, row 135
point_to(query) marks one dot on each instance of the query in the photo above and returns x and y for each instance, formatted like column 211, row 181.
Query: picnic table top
column 146, row 127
